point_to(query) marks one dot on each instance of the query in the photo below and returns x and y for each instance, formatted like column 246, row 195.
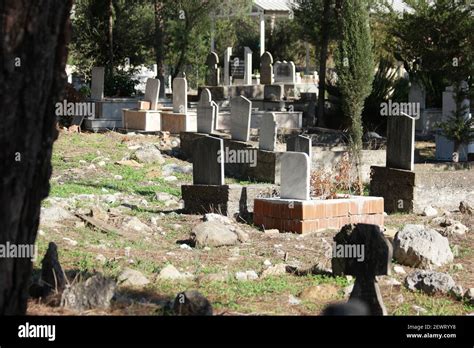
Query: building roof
column 270, row 6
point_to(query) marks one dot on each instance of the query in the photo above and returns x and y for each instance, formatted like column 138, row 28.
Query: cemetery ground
column 95, row 174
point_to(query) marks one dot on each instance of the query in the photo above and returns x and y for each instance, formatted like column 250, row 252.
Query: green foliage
column 355, row 66
column 120, row 84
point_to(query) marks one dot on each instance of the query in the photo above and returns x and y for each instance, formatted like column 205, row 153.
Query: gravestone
column 247, row 66
column 295, row 176
column 376, row 260
column 227, row 55
column 400, row 142
column 97, row 83
column 273, row 92
column 300, row 143
column 268, row 132
column 284, row 72
column 266, row 69
column 152, row 92
column 213, row 71
column 208, row 166
column 240, row 112
column 180, row 95
column 206, row 113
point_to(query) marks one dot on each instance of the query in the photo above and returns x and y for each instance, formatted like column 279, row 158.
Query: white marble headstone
column 284, row 72
column 206, row 113
column 268, row 132
column 295, row 176
column 227, row 55
column 180, row 95
column 248, row 66
column 152, row 92
column 240, row 113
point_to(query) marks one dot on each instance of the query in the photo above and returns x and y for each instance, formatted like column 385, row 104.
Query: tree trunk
column 33, row 54
column 159, row 45
column 323, row 62
column 110, row 38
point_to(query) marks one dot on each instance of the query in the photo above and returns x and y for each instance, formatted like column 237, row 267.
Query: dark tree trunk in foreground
column 33, row 34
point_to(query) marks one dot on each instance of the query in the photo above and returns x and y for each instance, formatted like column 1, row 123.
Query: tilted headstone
column 240, row 113
column 266, row 69
column 300, row 143
column 206, row 113
column 213, row 71
column 400, row 142
column 227, row 56
column 152, row 92
column 180, row 95
column 97, row 83
column 268, row 132
column 248, row 66
column 373, row 259
column 295, row 176
column 208, row 161
column 284, row 72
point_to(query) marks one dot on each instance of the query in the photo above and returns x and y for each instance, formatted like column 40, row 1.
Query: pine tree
column 355, row 69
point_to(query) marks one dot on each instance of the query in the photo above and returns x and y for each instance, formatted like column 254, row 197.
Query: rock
column 216, row 277
column 399, row 269
column 430, row 211
column 274, row 271
column 469, row 296
column 247, row 275
column 148, row 154
column 118, row 177
column 456, row 228
column 129, row 163
column 52, row 275
column 53, row 215
column 185, row 247
column 419, row 310
column 134, row 224
column 241, row 235
column 320, row 293
column 348, row 290
column 170, row 178
column 101, row 258
column 421, row 247
column 70, row 241
column 99, row 213
column 213, row 234
column 132, row 278
column 161, row 196
column 101, row 164
column 171, row 273
column 272, row 232
column 173, row 168
column 465, row 208
column 217, row 218
column 267, row 263
column 192, row 303
column 429, row 282
column 95, row 292
column 293, row 301
column 457, row 292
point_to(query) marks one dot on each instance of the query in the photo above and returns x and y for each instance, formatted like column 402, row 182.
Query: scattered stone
column 293, row 301
column 419, row 310
column 129, row 163
column 192, row 303
column 388, row 281
column 101, row 164
column 213, row 234
column 465, row 208
column 267, row 263
column 272, row 232
column 98, row 213
column 429, row 282
column 241, row 235
column 217, row 218
column 399, row 269
column 132, row 278
column 148, row 154
column 456, row 228
column 421, row 247
column 247, row 275
column 185, row 247
column 70, row 241
column 171, row 273
column 161, row 196
column 430, row 211
column 53, row 215
column 173, row 168
column 274, row 271
column 134, row 224
column 457, row 292
column 216, row 277
column 170, row 178
column 320, row 293
column 118, row 177
column 95, row 292
column 469, row 296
